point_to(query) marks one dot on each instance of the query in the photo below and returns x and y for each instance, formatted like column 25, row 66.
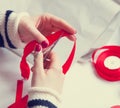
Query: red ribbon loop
column 25, row 70
column 103, row 71
column 20, row 102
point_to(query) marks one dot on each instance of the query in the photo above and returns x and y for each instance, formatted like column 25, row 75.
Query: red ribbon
column 116, row 106
column 25, row 69
column 101, row 69
column 20, row 102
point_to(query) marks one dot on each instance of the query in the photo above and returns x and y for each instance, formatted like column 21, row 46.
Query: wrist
column 12, row 28
column 44, row 94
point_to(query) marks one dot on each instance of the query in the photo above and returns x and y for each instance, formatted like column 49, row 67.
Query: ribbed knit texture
column 41, row 96
column 9, row 22
column 9, row 37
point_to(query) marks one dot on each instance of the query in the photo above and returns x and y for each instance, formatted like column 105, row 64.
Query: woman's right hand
column 47, row 73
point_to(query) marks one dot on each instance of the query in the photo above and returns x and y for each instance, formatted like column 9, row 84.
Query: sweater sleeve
column 9, row 36
column 41, row 97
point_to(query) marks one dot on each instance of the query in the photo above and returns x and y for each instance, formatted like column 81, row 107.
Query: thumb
column 37, row 35
column 38, row 68
column 28, row 31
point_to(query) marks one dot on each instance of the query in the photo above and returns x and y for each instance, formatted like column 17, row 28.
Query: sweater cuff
column 2, row 30
column 12, row 29
column 40, row 94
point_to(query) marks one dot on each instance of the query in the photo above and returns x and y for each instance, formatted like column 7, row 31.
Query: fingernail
column 74, row 38
column 37, row 47
column 44, row 44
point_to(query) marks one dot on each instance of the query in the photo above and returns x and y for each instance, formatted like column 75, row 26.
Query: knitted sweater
column 39, row 97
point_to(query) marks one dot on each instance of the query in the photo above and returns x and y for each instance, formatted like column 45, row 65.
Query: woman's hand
column 47, row 73
column 36, row 28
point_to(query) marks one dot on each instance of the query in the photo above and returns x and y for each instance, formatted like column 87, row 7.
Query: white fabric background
column 92, row 19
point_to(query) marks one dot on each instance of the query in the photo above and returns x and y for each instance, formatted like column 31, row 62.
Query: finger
column 38, row 70
column 28, row 31
column 62, row 24
column 39, row 37
column 38, row 61
column 54, row 61
column 72, row 37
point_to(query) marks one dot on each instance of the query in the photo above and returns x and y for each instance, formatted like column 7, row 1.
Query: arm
column 9, row 22
column 40, row 97
column 47, row 82
column 17, row 29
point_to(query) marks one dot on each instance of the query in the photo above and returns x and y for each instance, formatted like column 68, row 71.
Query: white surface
column 9, row 74
column 83, row 88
